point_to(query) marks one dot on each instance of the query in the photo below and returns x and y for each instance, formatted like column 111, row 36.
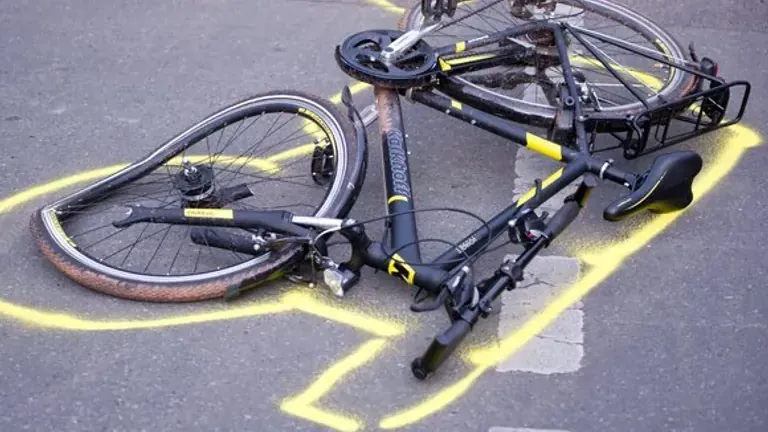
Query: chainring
column 359, row 56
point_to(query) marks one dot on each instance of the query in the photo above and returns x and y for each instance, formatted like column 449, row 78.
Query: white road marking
column 559, row 348
column 530, row 166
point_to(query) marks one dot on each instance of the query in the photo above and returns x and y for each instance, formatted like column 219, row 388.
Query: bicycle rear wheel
column 531, row 91
column 279, row 150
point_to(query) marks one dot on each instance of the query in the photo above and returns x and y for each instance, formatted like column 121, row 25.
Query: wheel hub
column 195, row 183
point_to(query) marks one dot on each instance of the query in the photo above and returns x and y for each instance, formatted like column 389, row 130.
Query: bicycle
column 214, row 211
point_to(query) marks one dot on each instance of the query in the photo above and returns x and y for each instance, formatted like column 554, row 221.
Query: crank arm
column 395, row 50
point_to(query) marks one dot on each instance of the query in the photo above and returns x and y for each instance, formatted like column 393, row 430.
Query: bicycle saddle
column 665, row 188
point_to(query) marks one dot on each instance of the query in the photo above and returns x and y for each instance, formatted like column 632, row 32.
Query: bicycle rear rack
column 671, row 123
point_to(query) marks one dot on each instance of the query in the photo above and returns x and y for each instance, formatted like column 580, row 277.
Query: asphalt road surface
column 673, row 339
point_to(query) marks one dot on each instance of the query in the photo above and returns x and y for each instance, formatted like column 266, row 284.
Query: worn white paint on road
column 559, row 348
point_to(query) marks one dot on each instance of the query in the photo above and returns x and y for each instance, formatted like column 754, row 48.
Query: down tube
column 473, row 242
column 397, row 176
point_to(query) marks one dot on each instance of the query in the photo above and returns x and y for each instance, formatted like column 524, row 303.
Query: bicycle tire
column 683, row 86
column 56, row 248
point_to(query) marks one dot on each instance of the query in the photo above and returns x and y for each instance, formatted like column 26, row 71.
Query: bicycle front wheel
column 280, row 150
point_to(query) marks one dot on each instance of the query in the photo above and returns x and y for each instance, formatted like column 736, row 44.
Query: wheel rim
column 530, row 90
column 277, row 150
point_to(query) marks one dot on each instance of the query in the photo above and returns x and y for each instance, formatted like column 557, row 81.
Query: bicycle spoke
column 178, row 250
column 252, row 148
column 146, row 226
column 74, row 236
column 137, row 241
column 154, row 254
column 231, row 140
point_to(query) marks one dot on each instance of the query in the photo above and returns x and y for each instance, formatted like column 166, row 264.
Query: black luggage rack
column 671, row 123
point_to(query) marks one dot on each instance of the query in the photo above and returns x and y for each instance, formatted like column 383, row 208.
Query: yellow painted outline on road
column 387, row 6
column 294, row 301
column 8, row 204
column 603, row 263
column 297, row 301
column 303, row 405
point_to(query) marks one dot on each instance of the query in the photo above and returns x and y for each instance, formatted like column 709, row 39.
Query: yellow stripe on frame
column 544, row 147
column 469, row 59
column 444, row 65
column 394, row 198
column 461, row 46
column 456, row 104
column 406, row 272
column 548, row 181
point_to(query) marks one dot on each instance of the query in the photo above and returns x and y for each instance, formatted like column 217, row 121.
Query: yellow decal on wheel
column 57, row 226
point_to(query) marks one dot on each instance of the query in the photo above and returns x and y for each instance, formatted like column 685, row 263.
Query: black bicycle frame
column 402, row 257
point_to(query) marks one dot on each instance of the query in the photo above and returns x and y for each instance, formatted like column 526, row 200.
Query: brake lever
column 428, row 305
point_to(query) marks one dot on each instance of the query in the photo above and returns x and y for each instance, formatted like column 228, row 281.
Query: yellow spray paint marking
column 24, row 196
column 296, row 301
column 260, row 164
column 62, row 321
column 302, row 150
column 603, row 264
column 306, row 303
column 268, row 164
column 436, row 403
column 354, row 89
column 32, row 193
column 387, row 6
column 300, row 405
column 303, row 404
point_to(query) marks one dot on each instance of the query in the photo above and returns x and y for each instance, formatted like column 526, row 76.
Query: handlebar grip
column 562, row 218
column 440, row 349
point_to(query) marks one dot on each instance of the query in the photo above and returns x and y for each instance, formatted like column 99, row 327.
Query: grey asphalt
column 675, row 340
